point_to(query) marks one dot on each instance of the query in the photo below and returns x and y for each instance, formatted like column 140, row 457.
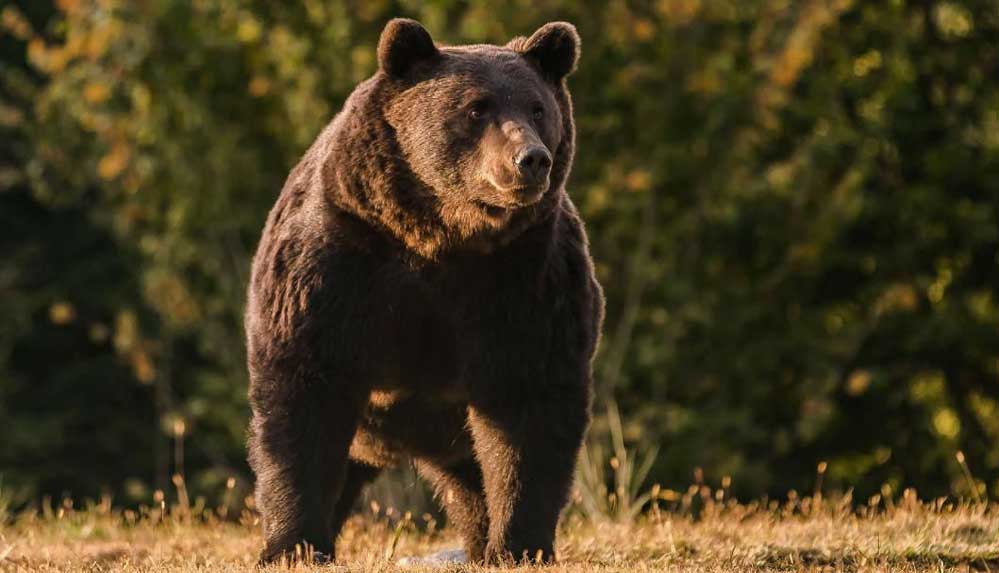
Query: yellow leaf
column 946, row 423
column 62, row 313
column 141, row 98
column 248, row 30
column 638, row 180
column 858, row 382
column 142, row 366
column 12, row 20
column 952, row 19
column 644, row 30
column 867, row 63
column 259, row 86
column 68, row 6
column 112, row 164
column 126, row 332
column 96, row 92
column 679, row 11
column 100, row 39
column 37, row 53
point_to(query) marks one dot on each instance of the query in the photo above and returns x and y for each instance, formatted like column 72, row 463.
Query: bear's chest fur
column 438, row 329
column 436, row 321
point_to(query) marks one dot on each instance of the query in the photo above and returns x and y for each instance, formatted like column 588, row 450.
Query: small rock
column 445, row 557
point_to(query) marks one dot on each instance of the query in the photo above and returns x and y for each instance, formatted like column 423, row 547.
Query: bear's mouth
column 494, row 211
column 502, row 202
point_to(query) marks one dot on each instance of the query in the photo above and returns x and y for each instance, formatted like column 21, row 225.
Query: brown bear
column 423, row 290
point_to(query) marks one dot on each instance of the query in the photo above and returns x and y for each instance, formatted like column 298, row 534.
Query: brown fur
column 417, row 294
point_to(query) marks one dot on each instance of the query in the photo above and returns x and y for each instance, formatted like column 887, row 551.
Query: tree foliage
column 793, row 207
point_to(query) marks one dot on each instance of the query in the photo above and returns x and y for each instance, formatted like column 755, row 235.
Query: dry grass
column 701, row 532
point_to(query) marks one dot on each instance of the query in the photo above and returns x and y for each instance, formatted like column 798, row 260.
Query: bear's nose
column 533, row 163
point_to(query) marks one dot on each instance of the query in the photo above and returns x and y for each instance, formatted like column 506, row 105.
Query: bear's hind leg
column 459, row 488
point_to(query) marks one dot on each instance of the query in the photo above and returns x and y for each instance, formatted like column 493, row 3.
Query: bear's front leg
column 299, row 441
column 528, row 449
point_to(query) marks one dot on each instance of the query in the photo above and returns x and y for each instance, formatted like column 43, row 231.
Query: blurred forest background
column 793, row 207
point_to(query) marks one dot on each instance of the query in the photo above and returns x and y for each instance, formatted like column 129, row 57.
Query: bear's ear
column 554, row 48
column 403, row 43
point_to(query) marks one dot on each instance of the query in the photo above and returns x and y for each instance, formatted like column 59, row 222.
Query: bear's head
column 485, row 132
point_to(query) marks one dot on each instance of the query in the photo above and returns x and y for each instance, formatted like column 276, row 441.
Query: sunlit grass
column 699, row 530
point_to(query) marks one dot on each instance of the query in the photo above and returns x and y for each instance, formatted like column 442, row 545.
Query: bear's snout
column 533, row 164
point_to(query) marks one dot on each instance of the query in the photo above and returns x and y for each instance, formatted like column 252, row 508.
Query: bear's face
column 484, row 132
column 481, row 126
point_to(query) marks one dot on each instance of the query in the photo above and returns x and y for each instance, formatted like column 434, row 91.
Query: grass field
column 699, row 532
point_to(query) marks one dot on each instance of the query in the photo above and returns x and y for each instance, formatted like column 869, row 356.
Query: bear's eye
column 538, row 111
column 478, row 110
